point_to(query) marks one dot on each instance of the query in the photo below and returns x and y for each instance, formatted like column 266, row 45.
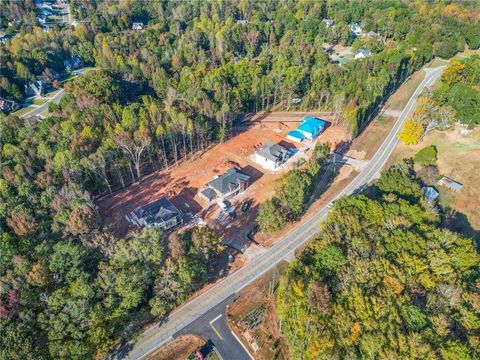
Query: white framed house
column 271, row 156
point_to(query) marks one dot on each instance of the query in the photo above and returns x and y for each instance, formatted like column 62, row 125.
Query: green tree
column 270, row 217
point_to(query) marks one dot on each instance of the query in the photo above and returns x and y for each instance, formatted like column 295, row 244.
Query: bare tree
column 134, row 146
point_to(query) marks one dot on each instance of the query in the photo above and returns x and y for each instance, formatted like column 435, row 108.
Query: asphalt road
column 190, row 312
column 55, row 99
column 213, row 326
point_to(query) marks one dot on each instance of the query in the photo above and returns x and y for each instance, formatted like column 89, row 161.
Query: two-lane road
column 181, row 319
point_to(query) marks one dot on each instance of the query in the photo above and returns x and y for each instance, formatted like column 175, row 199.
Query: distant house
column 242, row 22
column 7, row 106
column 138, row 26
column 363, row 53
column 328, row 22
column 450, row 183
column 5, row 37
column 160, row 213
column 35, row 88
column 430, row 193
column 355, row 28
column 228, row 185
column 371, row 34
column 271, row 156
column 73, row 63
column 45, row 11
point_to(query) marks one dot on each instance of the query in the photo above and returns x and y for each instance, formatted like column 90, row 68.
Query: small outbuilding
column 138, row 26
column 450, row 183
column 271, row 156
column 430, row 193
column 328, row 22
column 355, row 28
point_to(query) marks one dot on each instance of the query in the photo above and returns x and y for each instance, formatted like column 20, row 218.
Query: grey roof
column 228, row 181
column 430, row 192
column 209, row 193
column 365, row 52
column 157, row 211
column 450, row 183
column 272, row 151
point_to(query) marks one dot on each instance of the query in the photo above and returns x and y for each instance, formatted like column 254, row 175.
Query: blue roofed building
column 296, row 136
column 311, row 127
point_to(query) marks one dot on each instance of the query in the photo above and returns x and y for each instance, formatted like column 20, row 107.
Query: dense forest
column 70, row 288
column 385, row 280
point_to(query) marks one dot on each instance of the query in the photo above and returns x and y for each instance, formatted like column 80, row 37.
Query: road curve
column 158, row 335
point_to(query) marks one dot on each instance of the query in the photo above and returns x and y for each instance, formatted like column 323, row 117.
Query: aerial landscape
column 239, row 179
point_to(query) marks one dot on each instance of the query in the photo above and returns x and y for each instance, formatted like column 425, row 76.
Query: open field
column 459, row 159
column 260, row 294
column 399, row 99
column 181, row 183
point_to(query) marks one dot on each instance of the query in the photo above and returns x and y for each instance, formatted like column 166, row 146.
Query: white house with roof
column 138, row 26
column 328, row 22
column 160, row 213
column 271, row 156
column 309, row 129
column 225, row 186
column 363, row 53
column 355, row 28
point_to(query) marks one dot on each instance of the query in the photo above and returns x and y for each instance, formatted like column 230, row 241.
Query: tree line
column 384, row 279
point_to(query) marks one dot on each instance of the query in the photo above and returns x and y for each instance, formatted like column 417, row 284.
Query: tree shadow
column 458, row 222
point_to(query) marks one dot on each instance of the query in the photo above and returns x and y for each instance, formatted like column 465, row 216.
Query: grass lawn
column 39, row 101
column 22, row 111
column 458, row 158
column 400, row 98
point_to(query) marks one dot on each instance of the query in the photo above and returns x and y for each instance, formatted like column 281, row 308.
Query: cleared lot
column 181, row 183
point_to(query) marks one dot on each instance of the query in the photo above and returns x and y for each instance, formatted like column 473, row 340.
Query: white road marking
column 218, row 317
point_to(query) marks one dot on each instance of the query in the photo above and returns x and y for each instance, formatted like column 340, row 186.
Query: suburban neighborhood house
column 35, row 88
column 309, row 129
column 160, row 213
column 271, row 156
column 363, row 53
column 138, row 26
column 356, row 29
column 226, row 186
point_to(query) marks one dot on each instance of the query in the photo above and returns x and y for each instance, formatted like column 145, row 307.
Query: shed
column 450, row 183
column 430, row 193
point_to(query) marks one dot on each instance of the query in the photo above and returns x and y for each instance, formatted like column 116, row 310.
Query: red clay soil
column 181, row 183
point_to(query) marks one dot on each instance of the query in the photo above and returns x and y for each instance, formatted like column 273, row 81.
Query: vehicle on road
column 330, row 204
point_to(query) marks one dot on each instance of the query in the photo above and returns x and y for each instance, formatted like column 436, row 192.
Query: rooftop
column 157, row 211
column 311, row 125
column 272, row 151
column 450, row 183
column 228, row 181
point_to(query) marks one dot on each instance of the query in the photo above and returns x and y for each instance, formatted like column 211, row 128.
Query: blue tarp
column 296, row 134
column 312, row 126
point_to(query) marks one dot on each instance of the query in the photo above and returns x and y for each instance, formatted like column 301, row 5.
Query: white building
column 328, row 22
column 137, row 26
column 271, row 156
column 355, row 28
column 363, row 53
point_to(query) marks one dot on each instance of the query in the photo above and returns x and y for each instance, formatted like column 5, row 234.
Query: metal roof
column 296, row 134
column 450, row 183
column 430, row 192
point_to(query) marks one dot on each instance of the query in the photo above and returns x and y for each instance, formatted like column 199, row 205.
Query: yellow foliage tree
column 412, row 132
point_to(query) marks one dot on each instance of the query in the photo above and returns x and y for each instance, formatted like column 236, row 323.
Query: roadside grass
column 399, row 99
column 39, row 101
column 22, row 111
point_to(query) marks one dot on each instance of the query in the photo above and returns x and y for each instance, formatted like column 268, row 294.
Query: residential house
column 310, row 128
column 226, row 186
column 271, row 156
column 363, row 53
column 450, row 183
column 138, row 26
column 355, row 28
column 371, row 34
column 73, row 63
column 430, row 193
column 7, row 106
column 160, row 213
column 328, row 22
column 35, row 88
column 242, row 22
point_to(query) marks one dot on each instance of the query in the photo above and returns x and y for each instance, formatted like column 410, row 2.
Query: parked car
column 246, row 205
